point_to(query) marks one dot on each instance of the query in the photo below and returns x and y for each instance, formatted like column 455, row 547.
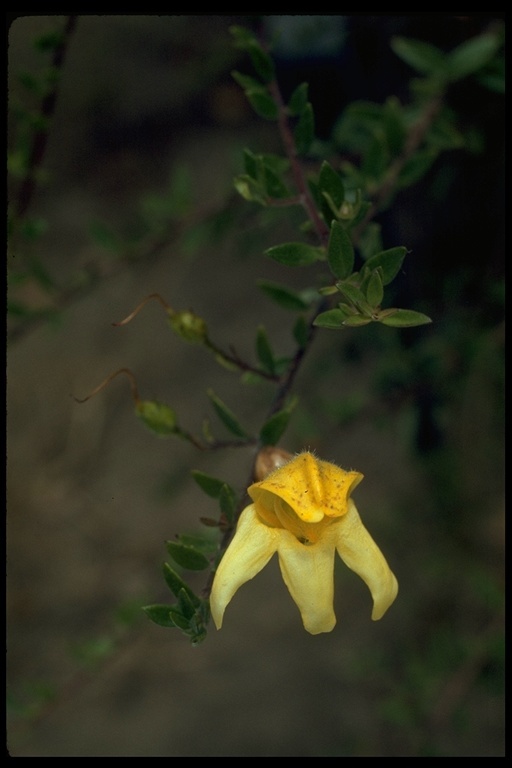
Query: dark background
column 92, row 496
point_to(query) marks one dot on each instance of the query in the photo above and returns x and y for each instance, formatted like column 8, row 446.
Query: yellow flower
column 303, row 511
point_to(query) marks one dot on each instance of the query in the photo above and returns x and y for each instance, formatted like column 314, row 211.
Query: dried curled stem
column 106, row 382
column 155, row 296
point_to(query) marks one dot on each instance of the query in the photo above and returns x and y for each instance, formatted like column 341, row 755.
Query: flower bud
column 269, row 459
column 189, row 326
column 158, row 417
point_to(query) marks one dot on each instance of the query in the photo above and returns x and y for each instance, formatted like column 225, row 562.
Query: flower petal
column 308, row 572
column 360, row 553
column 249, row 551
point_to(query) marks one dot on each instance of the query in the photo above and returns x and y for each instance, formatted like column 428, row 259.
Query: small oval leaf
column 374, row 289
column 187, row 557
column 226, row 415
column 332, row 318
column 340, row 252
column 390, row 261
column 283, row 296
column 159, row 614
column 295, row 254
column 405, row 318
column 209, row 484
column 305, row 130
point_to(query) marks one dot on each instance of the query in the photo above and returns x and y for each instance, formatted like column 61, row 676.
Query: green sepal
column 212, row 486
column 295, row 254
column 304, row 132
column 176, row 584
column 159, row 614
column 228, row 502
column 158, row 417
column 186, row 556
column 390, row 261
column 285, row 297
column 340, row 252
column 226, row 415
column 403, row 318
column 264, row 351
column 273, row 429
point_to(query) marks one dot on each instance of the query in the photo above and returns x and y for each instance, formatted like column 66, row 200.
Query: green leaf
column 275, row 426
column 159, row 614
column 31, row 83
column 340, row 252
column 417, row 166
column 242, row 36
column 49, row 41
column 330, row 184
column 370, row 241
column 422, row 57
column 404, row 318
column 179, row 620
column 264, row 351
column 210, row 485
column 285, row 297
column 304, row 132
column 301, row 331
column 355, row 320
column 390, row 261
column 273, row 184
column 472, row 55
column 376, row 159
column 249, row 189
column 176, row 584
column 394, row 125
column 295, row 254
column 228, row 502
column 105, row 237
column 158, row 417
column 261, row 61
column 185, row 605
column 332, row 318
column 374, row 289
column 245, row 81
column 262, row 103
column 226, row 415
column 186, row 556
column 355, row 296
column 298, row 99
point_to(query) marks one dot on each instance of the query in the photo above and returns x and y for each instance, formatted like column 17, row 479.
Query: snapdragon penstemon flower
column 303, row 511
